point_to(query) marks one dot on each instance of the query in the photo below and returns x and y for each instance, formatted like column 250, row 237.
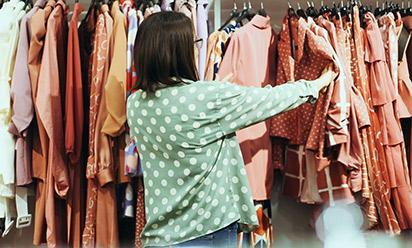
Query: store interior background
column 291, row 220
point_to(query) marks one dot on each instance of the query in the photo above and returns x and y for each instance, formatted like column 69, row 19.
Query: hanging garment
column 101, row 213
column 405, row 89
column 376, row 165
column 390, row 43
column 115, row 92
column 49, row 102
column 133, row 24
column 330, row 127
column 216, row 48
column 20, row 92
column 404, row 85
column 40, row 143
column 86, row 33
column 115, row 87
column 342, row 125
column 140, row 212
column 202, row 33
column 126, row 205
column 167, row 5
column 254, row 65
column 23, row 113
column 74, row 124
column 311, row 54
column 9, row 36
column 188, row 7
column 384, row 103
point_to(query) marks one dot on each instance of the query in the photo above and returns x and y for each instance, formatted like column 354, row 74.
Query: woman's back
column 193, row 169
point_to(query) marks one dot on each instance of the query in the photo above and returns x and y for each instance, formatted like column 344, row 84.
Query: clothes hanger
column 378, row 9
column 324, row 9
column 262, row 10
column 311, row 11
column 291, row 11
column 409, row 9
column 334, row 13
column 233, row 14
column 247, row 13
column 301, row 13
column 344, row 11
column 402, row 9
column 28, row 3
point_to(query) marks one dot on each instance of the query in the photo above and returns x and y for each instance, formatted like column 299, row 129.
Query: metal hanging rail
column 217, row 8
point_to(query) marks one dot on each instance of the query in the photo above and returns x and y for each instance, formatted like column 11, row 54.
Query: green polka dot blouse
column 194, row 175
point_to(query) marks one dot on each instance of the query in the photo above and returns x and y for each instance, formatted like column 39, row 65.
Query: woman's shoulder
column 190, row 89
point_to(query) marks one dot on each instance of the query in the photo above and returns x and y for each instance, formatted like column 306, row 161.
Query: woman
column 196, row 189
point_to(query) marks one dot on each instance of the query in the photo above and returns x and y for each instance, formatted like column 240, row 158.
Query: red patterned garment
column 305, row 128
column 303, row 57
column 101, row 213
column 140, row 213
column 333, row 113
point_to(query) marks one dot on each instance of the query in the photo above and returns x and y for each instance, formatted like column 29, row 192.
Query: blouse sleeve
column 239, row 107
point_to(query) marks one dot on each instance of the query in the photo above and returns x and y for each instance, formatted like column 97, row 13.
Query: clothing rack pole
column 218, row 12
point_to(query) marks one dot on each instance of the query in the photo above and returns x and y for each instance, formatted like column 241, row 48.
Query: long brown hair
column 164, row 51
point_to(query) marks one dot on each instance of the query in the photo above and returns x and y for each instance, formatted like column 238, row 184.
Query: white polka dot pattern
column 177, row 133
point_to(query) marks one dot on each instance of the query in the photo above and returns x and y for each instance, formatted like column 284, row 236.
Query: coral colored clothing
column 101, row 213
column 254, row 65
column 384, row 102
column 377, row 164
column 74, row 111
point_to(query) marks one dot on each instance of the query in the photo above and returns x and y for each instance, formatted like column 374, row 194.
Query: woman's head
column 164, row 51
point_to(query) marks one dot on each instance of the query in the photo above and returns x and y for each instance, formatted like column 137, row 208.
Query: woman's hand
column 328, row 75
